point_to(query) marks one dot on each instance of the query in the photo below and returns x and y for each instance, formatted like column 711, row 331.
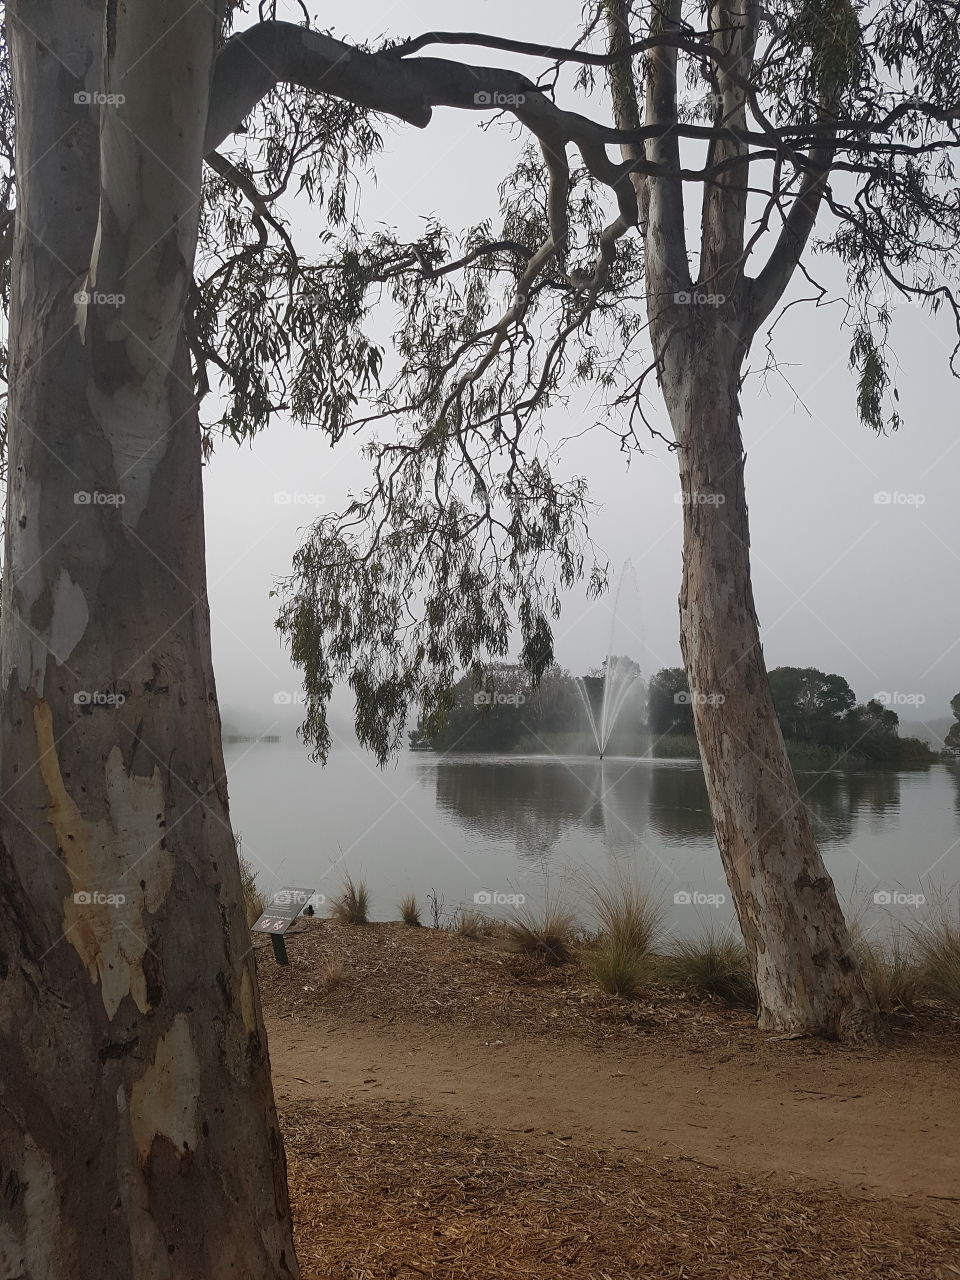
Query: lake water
column 506, row 825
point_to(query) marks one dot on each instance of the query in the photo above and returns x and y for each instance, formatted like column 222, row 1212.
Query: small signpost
column 286, row 906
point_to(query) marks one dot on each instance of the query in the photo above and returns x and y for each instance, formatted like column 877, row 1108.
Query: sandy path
column 882, row 1125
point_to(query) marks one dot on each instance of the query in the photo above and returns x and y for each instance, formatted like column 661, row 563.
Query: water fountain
column 619, row 677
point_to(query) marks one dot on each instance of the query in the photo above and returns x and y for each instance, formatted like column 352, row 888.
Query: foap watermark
column 96, row 298
column 705, row 102
column 284, row 698
column 885, row 296
column 694, row 698
column 487, row 898
column 96, row 498
column 294, row 498
column 298, row 898
column 97, row 98
column 96, row 898
column 699, row 499
column 694, row 898
column 888, row 498
column 494, row 98
column 98, row 698
column 900, row 699
column 490, row 698
column 697, row 298
column 894, row 898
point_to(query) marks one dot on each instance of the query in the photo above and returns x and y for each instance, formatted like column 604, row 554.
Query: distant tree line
column 817, row 710
column 952, row 741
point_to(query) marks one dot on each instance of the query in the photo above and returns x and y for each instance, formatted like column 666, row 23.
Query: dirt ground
column 454, row 1111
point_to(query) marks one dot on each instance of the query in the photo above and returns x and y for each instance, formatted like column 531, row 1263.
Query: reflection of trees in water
column 531, row 805
column 679, row 807
column 837, row 799
column 535, row 804
column 953, row 769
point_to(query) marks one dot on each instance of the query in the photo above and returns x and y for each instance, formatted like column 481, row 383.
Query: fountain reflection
column 535, row 804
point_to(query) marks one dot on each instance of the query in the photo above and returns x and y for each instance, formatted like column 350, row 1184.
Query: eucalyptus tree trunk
column 138, row 1135
column 786, row 903
column 785, row 899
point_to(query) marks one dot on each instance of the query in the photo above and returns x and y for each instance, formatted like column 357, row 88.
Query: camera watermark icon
column 693, row 698
column 496, row 99
column 284, row 698
column 697, row 298
column 490, row 698
column 297, row 897
column 294, row 498
column 96, row 98
column 886, row 498
column 900, row 699
column 699, row 499
column 486, row 898
column 86, row 498
column 86, row 298
column 94, row 898
column 694, row 898
column 894, row 898
column 97, row 698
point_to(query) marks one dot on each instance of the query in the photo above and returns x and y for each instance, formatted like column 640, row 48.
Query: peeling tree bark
column 785, row 899
column 138, row 1135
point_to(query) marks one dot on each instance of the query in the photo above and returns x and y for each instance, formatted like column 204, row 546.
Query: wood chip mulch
column 382, row 1192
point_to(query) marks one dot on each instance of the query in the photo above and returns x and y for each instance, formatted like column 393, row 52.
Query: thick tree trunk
column 785, row 900
column 138, row 1135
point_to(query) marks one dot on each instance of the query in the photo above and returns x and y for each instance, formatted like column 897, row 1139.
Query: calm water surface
column 530, row 825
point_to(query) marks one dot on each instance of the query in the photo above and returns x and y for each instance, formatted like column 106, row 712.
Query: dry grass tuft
column 630, row 914
column 714, row 963
column 618, row 967
column 937, row 946
column 473, row 924
column 410, row 911
column 549, row 936
column 352, row 906
column 891, row 972
column 253, row 901
column 631, row 920
column 331, row 975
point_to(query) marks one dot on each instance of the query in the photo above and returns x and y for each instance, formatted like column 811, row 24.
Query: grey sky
column 842, row 581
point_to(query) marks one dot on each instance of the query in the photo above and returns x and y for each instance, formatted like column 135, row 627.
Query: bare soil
column 454, row 1111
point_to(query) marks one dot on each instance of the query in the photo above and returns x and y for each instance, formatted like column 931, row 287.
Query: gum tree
column 769, row 118
column 138, row 1133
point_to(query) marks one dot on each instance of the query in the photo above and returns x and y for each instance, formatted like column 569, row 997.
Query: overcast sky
column 843, row 581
